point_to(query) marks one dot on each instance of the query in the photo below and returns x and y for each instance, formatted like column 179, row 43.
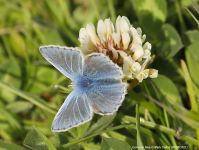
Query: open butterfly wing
column 107, row 95
column 98, row 66
column 104, row 98
column 66, row 59
column 108, row 91
column 74, row 111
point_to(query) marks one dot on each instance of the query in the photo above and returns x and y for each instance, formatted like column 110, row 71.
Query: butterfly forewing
column 67, row 60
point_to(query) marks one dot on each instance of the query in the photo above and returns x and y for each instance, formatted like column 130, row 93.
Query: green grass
column 151, row 113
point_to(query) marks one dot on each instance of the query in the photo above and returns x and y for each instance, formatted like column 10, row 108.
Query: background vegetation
column 29, row 101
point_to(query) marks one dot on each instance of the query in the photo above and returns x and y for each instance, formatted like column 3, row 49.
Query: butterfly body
column 83, row 84
column 96, row 81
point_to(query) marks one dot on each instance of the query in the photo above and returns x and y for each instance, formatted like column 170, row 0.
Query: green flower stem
column 38, row 102
column 161, row 119
column 128, row 119
column 170, row 136
column 139, row 139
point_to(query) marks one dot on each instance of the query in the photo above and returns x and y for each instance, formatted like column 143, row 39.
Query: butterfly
column 97, row 84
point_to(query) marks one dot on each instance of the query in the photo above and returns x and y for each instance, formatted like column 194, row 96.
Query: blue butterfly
column 96, row 81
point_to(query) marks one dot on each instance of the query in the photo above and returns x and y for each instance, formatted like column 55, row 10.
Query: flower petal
column 147, row 45
column 122, row 25
column 109, row 27
column 135, row 68
column 133, row 32
column 147, row 54
column 114, row 52
column 116, row 38
column 153, row 73
column 127, row 20
column 144, row 63
column 87, row 46
column 122, row 54
column 101, row 30
column 82, row 33
column 142, row 75
column 125, row 40
column 126, row 70
column 104, row 51
column 139, row 31
column 139, row 52
column 143, row 38
column 117, row 24
column 90, row 29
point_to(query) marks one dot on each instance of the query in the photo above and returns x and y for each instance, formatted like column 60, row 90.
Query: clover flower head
column 123, row 44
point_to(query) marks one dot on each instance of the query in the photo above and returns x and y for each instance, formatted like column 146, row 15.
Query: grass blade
column 39, row 102
column 192, row 123
column 139, row 140
column 192, row 15
column 9, row 145
column 190, row 91
column 195, row 6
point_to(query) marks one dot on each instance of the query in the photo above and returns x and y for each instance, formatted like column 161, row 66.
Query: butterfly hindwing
column 66, row 59
column 74, row 111
column 107, row 96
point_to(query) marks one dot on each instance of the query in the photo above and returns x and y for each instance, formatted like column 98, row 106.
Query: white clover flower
column 123, row 44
